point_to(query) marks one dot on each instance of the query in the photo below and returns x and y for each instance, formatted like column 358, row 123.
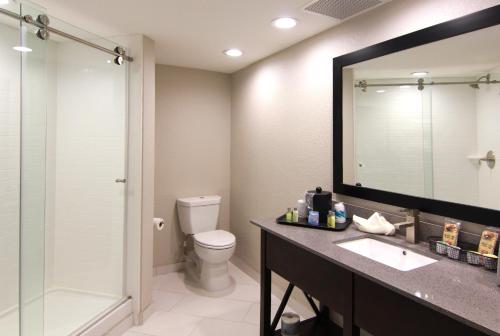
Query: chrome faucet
column 411, row 225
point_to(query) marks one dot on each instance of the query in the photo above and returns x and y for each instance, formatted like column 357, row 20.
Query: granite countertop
column 464, row 292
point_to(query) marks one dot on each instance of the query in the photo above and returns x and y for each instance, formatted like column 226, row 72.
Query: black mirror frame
column 479, row 20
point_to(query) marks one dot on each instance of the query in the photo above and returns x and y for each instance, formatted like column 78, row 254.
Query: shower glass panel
column 10, row 92
column 85, row 206
column 63, row 126
column 33, row 137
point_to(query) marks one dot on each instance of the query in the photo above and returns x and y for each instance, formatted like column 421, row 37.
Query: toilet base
column 208, row 279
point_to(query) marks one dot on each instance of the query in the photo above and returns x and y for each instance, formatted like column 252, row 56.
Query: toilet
column 207, row 249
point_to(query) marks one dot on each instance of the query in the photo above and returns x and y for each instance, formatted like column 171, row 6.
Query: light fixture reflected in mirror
column 419, row 73
column 22, row 48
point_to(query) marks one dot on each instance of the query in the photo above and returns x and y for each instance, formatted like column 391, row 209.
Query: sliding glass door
column 10, row 105
column 63, row 127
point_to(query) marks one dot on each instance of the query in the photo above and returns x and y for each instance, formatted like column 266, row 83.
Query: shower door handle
column 120, row 180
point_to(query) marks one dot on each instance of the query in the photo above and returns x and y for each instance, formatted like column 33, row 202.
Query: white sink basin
column 387, row 254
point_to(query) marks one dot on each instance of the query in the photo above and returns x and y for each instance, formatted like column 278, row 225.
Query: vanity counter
column 463, row 292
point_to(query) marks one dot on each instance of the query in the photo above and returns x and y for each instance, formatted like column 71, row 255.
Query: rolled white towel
column 375, row 224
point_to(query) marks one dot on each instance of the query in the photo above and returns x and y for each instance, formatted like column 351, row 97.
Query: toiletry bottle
column 331, row 219
column 289, row 215
column 295, row 215
column 340, row 213
column 313, row 218
column 302, row 207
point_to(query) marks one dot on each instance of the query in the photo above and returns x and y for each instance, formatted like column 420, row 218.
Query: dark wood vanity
column 364, row 303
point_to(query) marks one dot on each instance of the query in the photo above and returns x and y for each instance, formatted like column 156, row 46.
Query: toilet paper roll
column 159, row 223
column 290, row 324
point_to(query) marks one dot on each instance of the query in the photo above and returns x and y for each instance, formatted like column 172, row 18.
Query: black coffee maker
column 320, row 201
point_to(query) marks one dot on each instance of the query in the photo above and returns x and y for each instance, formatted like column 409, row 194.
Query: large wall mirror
column 417, row 120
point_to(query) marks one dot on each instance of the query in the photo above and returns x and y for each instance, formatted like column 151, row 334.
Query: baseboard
column 165, row 269
column 245, row 267
column 146, row 313
column 297, row 301
column 122, row 327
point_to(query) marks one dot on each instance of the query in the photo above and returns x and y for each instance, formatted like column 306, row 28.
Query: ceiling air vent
column 340, row 9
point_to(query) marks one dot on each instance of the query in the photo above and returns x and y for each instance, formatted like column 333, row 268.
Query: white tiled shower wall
column 86, row 150
column 386, row 123
column 488, row 123
column 454, row 131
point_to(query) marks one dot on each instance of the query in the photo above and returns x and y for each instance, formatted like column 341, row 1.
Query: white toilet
column 208, row 249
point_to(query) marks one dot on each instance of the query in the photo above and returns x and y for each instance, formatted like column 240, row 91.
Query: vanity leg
column 265, row 289
column 349, row 329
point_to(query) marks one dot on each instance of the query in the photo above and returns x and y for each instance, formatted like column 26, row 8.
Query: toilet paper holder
column 158, row 223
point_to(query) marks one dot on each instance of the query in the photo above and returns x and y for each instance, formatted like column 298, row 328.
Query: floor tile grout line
column 140, row 333
column 161, row 286
column 248, row 311
column 213, row 297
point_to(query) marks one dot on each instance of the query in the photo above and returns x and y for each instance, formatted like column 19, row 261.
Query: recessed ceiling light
column 380, row 91
column 22, row 49
column 404, row 86
column 284, row 22
column 108, row 61
column 419, row 73
column 233, row 52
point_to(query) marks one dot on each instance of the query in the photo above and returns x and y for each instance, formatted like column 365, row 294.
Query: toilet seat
column 215, row 240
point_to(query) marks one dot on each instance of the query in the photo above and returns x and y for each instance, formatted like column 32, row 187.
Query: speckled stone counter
column 461, row 291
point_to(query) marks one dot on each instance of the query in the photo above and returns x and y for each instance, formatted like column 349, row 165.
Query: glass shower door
column 85, row 193
column 63, row 118
column 10, row 63
column 393, row 139
column 32, row 173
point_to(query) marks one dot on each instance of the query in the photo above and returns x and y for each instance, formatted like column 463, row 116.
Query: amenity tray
column 322, row 226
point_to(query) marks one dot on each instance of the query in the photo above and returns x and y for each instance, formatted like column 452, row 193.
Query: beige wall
column 193, row 118
column 281, row 120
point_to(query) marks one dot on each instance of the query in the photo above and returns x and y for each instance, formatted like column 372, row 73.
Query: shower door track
column 99, row 318
column 28, row 19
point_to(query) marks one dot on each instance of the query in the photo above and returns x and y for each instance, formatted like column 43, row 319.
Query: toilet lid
column 215, row 239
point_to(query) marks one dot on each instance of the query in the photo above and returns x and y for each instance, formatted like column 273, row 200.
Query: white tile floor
column 180, row 311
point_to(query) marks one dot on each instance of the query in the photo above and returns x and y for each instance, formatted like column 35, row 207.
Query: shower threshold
column 65, row 311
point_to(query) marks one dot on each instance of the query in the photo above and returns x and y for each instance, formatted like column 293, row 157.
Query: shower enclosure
column 63, row 127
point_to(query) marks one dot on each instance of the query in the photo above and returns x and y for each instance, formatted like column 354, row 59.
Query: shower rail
column 363, row 84
column 118, row 51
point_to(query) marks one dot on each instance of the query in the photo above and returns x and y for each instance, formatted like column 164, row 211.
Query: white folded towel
column 375, row 224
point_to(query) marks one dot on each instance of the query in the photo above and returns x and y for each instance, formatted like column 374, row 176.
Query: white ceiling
column 193, row 33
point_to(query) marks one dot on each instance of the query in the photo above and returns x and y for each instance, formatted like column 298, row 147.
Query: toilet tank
column 198, row 214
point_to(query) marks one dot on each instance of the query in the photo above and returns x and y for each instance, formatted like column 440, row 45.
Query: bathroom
column 221, row 101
